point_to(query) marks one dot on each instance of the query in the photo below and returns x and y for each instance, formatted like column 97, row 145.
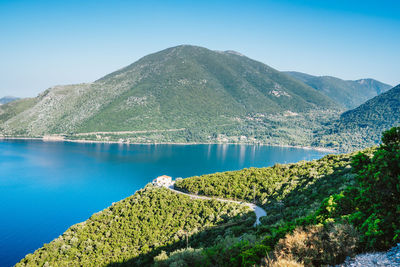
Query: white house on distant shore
column 163, row 180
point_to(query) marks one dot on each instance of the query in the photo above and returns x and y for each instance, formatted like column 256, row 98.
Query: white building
column 163, row 180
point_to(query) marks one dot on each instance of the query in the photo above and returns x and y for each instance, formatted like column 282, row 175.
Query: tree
column 378, row 201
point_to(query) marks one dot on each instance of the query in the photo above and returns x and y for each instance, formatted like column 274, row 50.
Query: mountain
column 7, row 99
column 349, row 94
column 362, row 126
column 184, row 93
column 13, row 108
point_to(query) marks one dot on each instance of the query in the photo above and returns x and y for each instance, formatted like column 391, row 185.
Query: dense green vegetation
column 135, row 230
column 286, row 129
column 373, row 203
column 362, row 127
column 370, row 206
column 349, row 94
column 286, row 191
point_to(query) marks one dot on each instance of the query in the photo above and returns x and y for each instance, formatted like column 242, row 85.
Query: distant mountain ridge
column 183, row 87
column 7, row 99
column 348, row 93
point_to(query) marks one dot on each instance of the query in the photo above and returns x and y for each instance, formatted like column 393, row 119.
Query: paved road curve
column 260, row 212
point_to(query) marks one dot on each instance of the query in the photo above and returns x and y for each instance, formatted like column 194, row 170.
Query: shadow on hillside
column 306, row 196
column 236, row 226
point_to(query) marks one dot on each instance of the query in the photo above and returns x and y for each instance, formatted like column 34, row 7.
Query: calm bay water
column 45, row 187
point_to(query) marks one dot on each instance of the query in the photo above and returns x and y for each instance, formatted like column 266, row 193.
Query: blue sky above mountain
column 64, row 42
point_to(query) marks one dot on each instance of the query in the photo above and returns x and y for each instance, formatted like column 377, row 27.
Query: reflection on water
column 47, row 186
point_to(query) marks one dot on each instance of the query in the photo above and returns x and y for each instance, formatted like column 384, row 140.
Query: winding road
column 260, row 212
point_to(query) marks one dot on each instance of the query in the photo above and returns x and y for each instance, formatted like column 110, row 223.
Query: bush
column 231, row 251
column 316, row 245
column 342, row 242
column 180, row 258
column 301, row 244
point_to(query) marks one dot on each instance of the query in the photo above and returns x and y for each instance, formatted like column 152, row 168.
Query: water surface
column 45, row 187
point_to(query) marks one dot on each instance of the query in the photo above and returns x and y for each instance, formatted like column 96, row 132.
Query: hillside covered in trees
column 134, row 230
column 145, row 228
column 284, row 190
column 363, row 126
column 318, row 212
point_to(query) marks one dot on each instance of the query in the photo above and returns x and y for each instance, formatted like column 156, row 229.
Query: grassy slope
column 14, row 108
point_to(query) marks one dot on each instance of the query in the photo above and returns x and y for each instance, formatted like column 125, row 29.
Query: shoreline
column 82, row 141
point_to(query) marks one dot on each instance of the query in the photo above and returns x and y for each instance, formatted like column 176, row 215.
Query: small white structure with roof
column 163, row 180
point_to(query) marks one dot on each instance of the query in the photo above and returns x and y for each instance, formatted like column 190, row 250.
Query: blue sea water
column 45, row 187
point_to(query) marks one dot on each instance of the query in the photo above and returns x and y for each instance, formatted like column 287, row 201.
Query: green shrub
column 241, row 251
column 180, row 258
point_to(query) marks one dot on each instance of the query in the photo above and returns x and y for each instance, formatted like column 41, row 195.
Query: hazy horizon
column 52, row 43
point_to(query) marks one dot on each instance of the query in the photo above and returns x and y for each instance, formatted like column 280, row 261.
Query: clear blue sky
column 45, row 43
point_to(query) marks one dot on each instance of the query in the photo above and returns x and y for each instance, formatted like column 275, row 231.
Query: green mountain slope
column 201, row 91
column 349, row 94
column 363, row 125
